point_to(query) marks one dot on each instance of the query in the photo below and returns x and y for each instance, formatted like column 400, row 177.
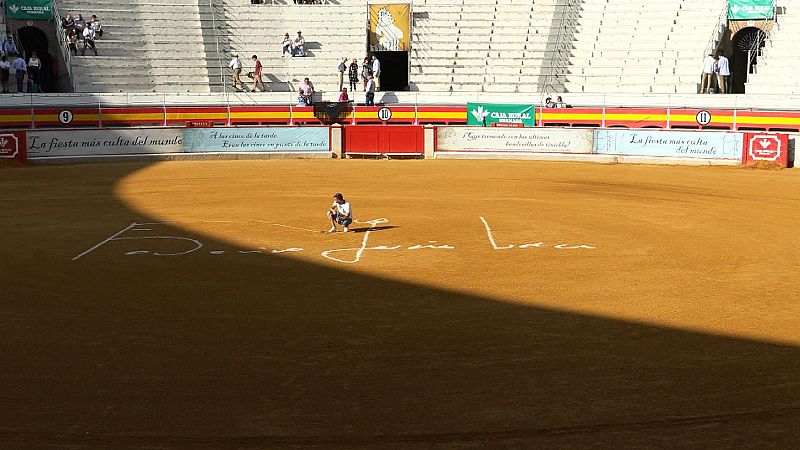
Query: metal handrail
column 220, row 61
column 64, row 45
column 713, row 41
column 557, row 60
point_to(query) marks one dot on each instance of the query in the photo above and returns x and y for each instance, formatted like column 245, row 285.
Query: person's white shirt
column 370, row 86
column 376, row 66
column 235, row 63
column 33, row 62
column 723, row 67
column 5, row 65
column 88, row 33
column 709, row 64
column 342, row 209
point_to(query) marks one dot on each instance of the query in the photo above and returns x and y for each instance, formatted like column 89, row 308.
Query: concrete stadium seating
column 470, row 46
column 776, row 66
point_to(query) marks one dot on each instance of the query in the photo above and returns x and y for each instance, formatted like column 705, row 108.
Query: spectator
column 9, row 46
column 560, row 102
column 5, row 72
column 370, row 90
column 353, row 75
column 80, row 25
column 723, row 72
column 301, row 98
column 68, row 24
column 549, row 103
column 299, row 45
column 88, row 41
column 257, row 81
column 96, row 26
column 286, row 45
column 308, row 91
column 707, row 80
column 366, row 71
column 34, row 65
column 72, row 43
column 20, row 73
column 236, row 70
column 342, row 68
column 343, row 95
column 376, row 72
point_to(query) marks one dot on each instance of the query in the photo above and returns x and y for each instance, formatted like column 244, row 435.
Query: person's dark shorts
column 342, row 220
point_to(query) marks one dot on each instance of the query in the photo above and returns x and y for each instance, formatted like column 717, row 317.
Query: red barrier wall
column 14, row 145
column 395, row 140
column 766, row 147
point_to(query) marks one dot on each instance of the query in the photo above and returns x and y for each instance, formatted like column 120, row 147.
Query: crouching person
column 340, row 213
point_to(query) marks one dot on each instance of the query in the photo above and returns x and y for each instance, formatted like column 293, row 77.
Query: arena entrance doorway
column 747, row 45
column 35, row 40
column 389, row 40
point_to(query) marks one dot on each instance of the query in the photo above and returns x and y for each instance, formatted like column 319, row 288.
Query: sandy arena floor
column 478, row 304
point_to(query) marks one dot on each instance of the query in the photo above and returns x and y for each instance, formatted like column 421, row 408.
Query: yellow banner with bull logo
column 390, row 27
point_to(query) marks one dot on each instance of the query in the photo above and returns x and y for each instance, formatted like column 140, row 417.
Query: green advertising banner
column 485, row 114
column 750, row 9
column 29, row 9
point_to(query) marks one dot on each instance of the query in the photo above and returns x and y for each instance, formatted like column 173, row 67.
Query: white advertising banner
column 134, row 141
column 519, row 140
column 675, row 144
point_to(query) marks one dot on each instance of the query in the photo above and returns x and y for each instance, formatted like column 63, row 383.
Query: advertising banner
column 29, row 9
column 521, row 140
column 272, row 139
column 675, row 144
column 390, row 27
column 750, row 9
column 13, row 145
column 65, row 143
column 486, row 114
column 766, row 147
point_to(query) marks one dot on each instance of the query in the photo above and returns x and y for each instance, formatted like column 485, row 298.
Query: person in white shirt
column 340, row 213
column 376, row 72
column 5, row 73
column 707, row 80
column 370, row 90
column 286, row 45
column 723, row 72
column 96, row 26
column 88, row 41
column 34, row 64
column 299, row 45
column 236, row 68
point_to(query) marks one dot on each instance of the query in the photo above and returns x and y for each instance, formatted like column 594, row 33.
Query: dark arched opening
column 35, row 40
column 747, row 45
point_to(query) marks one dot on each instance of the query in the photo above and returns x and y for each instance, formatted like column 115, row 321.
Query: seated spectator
column 307, row 87
column 286, row 45
column 549, row 103
column 80, row 25
column 560, row 102
column 9, row 46
column 96, row 26
column 301, row 98
column 343, row 95
column 72, row 43
column 299, row 45
column 68, row 24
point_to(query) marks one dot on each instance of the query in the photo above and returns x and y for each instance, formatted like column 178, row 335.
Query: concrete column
column 337, row 141
column 430, row 140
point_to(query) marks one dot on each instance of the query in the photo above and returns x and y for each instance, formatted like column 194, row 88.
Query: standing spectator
column 342, row 68
column 96, row 26
column 80, row 25
column 72, row 43
column 299, row 45
column 308, row 91
column 20, row 73
column 370, row 90
column 286, row 45
column 34, row 64
column 236, row 70
column 376, row 72
column 723, row 72
column 343, row 95
column 366, row 71
column 88, row 41
column 5, row 71
column 707, row 80
column 9, row 46
column 353, row 75
column 257, row 81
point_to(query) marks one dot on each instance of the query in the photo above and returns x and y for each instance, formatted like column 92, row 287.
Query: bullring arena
column 618, row 270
